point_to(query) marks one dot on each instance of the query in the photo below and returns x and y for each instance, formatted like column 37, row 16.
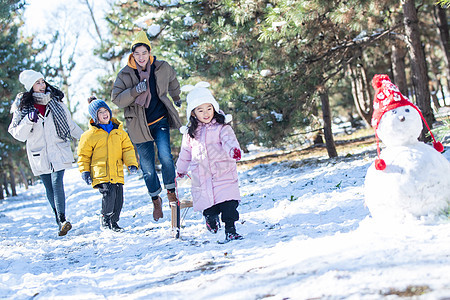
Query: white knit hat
column 29, row 77
column 198, row 95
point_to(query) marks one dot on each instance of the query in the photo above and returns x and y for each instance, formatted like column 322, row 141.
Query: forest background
column 287, row 70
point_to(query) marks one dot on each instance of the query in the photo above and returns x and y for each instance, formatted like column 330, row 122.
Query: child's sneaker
column 229, row 236
column 115, row 227
column 105, row 222
column 212, row 223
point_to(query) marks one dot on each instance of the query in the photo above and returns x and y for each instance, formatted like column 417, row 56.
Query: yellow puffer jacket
column 104, row 154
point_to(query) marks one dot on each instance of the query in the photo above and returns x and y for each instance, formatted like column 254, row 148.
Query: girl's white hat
column 198, row 95
column 29, row 77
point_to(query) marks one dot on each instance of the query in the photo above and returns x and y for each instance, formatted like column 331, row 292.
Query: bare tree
column 361, row 91
column 61, row 52
column 94, row 21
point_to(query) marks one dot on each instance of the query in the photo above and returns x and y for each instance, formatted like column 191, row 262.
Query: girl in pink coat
column 209, row 151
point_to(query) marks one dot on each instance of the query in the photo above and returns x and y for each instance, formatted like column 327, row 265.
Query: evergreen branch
column 353, row 44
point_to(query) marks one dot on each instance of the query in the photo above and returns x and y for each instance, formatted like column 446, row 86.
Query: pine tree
column 328, row 40
column 269, row 62
column 125, row 20
column 251, row 78
column 122, row 27
column 16, row 55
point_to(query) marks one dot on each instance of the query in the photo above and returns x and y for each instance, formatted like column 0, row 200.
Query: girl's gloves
column 87, row 177
column 236, row 153
column 33, row 116
column 141, row 86
column 180, row 175
column 133, row 170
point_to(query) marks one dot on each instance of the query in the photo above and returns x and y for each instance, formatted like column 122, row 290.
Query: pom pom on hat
column 380, row 164
column 387, row 97
column 94, row 105
column 377, row 80
column 438, row 146
column 29, row 77
column 141, row 38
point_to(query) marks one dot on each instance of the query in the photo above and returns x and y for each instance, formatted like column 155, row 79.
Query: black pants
column 229, row 213
column 112, row 200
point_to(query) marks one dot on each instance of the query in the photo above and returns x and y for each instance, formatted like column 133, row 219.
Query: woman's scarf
column 42, row 98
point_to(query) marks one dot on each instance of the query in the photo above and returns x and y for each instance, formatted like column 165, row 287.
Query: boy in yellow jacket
column 102, row 151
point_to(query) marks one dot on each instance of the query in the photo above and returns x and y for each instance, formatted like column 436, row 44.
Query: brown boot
column 172, row 197
column 157, row 209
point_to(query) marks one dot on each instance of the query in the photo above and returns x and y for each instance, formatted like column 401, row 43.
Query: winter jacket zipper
column 107, row 155
column 44, row 119
column 209, row 164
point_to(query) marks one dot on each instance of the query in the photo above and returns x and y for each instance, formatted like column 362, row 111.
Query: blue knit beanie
column 94, row 106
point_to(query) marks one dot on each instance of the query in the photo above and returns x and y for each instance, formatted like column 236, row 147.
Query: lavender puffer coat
column 213, row 170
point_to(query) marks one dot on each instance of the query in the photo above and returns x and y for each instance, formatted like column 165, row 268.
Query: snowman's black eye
column 394, row 111
column 407, row 110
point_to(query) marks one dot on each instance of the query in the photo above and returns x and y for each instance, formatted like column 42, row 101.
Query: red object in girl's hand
column 180, row 175
column 236, row 154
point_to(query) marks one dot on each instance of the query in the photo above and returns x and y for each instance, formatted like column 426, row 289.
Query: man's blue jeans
column 161, row 134
column 54, row 188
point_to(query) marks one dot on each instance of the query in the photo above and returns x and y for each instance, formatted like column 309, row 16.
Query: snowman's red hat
column 387, row 97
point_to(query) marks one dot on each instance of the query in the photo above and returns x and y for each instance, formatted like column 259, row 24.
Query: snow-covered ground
column 307, row 236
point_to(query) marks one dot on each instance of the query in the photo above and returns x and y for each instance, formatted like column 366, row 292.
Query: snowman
column 409, row 179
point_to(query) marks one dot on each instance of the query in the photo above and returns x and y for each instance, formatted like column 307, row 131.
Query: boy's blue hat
column 94, row 106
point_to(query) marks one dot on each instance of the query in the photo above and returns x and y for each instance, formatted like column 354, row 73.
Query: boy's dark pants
column 112, row 200
column 229, row 213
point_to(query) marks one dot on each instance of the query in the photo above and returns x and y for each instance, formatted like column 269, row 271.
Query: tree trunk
column 12, row 179
column 435, row 101
column 5, row 184
column 24, row 176
column 418, row 64
column 2, row 196
column 441, row 19
column 361, row 92
column 434, row 89
column 398, row 55
column 326, row 114
column 441, row 88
